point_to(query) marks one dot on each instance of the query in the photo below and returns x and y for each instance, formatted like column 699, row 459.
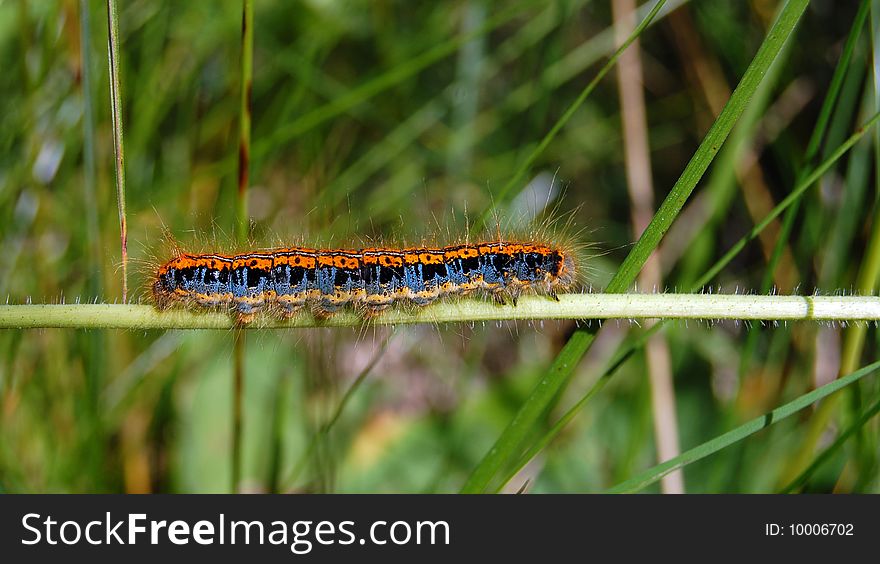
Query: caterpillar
column 286, row 280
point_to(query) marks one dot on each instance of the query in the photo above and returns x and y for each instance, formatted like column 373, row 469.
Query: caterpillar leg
column 287, row 305
column 322, row 311
column 161, row 297
column 374, row 304
column 423, row 299
column 513, row 294
column 372, row 311
column 247, row 309
column 245, row 318
column 285, row 311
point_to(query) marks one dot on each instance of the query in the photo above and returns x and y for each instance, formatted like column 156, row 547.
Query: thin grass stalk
column 637, row 157
column 242, row 226
column 321, row 433
column 237, row 410
column 276, row 433
column 94, row 352
column 118, row 142
column 828, row 105
column 869, row 271
column 737, row 168
column 93, row 240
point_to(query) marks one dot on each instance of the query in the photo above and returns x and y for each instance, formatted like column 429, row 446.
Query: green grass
column 508, row 444
column 398, row 122
column 708, row 448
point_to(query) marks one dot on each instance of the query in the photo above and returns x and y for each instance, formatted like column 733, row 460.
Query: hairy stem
column 569, row 306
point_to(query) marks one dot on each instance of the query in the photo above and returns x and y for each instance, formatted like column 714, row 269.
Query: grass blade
column 118, row 144
column 624, row 353
column 506, row 448
column 857, row 425
column 653, row 474
column 780, row 32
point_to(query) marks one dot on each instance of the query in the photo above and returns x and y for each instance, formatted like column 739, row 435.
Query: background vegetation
column 389, row 119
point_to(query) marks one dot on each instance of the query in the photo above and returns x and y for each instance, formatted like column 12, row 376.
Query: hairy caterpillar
column 286, row 280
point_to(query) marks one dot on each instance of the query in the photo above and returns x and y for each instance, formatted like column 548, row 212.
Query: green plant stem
column 93, row 231
column 237, row 410
column 569, row 306
column 326, row 427
column 118, row 144
column 242, row 226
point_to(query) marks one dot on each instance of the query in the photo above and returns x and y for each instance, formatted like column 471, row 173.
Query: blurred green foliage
column 399, row 120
